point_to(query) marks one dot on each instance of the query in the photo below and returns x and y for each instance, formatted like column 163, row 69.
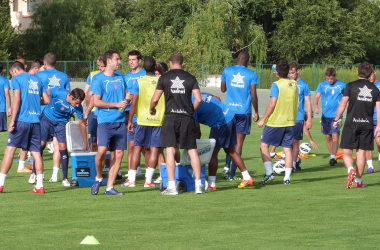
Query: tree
column 7, row 33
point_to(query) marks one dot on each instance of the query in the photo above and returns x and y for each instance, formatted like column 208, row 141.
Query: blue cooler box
column 183, row 176
column 84, row 170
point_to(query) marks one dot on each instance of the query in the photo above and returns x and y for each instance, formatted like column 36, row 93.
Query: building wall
column 21, row 12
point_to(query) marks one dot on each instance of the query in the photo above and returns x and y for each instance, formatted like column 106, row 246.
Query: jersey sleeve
column 15, row 84
column 88, row 82
column 347, row 90
column 135, row 89
column 319, row 89
column 195, row 83
column 67, row 83
column 160, row 84
column 96, row 88
column 307, row 90
column 274, row 91
column 79, row 112
column 254, row 79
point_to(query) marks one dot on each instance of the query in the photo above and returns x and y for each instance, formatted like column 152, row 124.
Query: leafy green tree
column 7, row 33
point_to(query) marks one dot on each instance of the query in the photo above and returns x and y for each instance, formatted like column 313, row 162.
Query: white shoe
column 199, row 189
column 158, row 180
column 53, row 179
column 65, row 183
column 32, row 179
column 168, row 191
column 126, row 175
column 139, row 172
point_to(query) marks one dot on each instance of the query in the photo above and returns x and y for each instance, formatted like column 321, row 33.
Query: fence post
column 343, row 74
column 65, row 67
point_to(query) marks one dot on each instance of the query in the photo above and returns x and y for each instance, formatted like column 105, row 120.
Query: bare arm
column 155, row 98
column 83, row 131
column 268, row 112
column 198, row 132
column 307, row 133
column 86, row 92
column 223, row 87
column 309, row 122
column 15, row 108
column 342, row 106
column 197, row 98
column 45, row 99
column 377, row 130
column 98, row 102
column 132, row 109
column 316, row 99
column 254, row 101
column 8, row 100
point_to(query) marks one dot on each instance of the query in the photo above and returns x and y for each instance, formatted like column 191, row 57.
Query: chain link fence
column 208, row 74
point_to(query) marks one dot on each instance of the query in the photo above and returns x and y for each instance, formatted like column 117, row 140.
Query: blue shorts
column 224, row 135
column 112, row 134
column 3, row 121
column 278, row 136
column 243, row 123
column 92, row 126
column 327, row 126
column 131, row 137
column 50, row 129
column 146, row 136
column 298, row 130
column 26, row 136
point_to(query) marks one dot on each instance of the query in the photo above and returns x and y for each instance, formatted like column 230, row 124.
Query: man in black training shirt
column 178, row 87
column 362, row 96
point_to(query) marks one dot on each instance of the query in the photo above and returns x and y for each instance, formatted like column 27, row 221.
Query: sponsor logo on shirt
column 237, row 81
column 177, row 86
column 54, row 82
column 365, row 94
column 233, row 104
column 226, row 111
column 33, row 87
column 33, row 112
column 178, row 111
column 361, row 120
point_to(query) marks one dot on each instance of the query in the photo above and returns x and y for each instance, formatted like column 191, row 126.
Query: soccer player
column 282, row 114
column 361, row 96
column 178, row 86
column 331, row 91
column 53, row 124
column 90, row 114
column 24, row 128
column 131, row 78
column 52, row 78
column 240, row 84
column 369, row 153
column 215, row 114
column 303, row 97
column 5, row 99
column 110, row 90
column 148, row 129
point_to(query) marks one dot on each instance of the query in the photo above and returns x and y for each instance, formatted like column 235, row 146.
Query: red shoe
column 350, row 178
column 211, row 188
column 1, row 189
column 360, row 185
column 38, row 191
column 30, row 167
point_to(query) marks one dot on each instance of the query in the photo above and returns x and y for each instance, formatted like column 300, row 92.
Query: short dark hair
column 282, row 68
column 135, row 53
column 36, row 63
column 365, row 70
column 149, row 64
column 78, row 94
column 330, row 72
column 176, row 58
column 164, row 66
column 108, row 55
column 294, row 65
column 50, row 59
column 17, row 65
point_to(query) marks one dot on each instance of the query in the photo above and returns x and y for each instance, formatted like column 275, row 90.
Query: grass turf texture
column 315, row 211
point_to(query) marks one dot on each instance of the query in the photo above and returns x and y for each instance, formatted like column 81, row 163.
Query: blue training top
column 110, row 89
column 212, row 112
column 52, row 78
column 303, row 91
column 59, row 110
column 238, row 81
column 131, row 79
column 4, row 84
column 31, row 89
column 331, row 96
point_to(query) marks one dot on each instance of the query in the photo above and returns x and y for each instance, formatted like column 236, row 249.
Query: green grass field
column 315, row 212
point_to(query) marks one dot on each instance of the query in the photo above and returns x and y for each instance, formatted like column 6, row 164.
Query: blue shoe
column 113, row 191
column 266, row 179
column 233, row 179
column 95, row 187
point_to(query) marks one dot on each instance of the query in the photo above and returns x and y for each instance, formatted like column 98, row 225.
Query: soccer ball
column 279, row 167
column 305, row 148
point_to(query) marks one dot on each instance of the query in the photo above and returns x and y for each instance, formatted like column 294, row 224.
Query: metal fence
column 207, row 72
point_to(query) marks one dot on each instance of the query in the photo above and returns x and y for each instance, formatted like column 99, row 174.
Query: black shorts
column 178, row 127
column 357, row 139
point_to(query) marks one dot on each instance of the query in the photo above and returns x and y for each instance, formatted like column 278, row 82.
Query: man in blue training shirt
column 53, row 124
column 240, row 84
column 110, row 90
column 24, row 128
column 5, row 99
column 303, row 97
column 213, row 113
column 131, row 79
column 331, row 91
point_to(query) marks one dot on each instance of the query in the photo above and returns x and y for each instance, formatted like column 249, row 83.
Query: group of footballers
column 151, row 108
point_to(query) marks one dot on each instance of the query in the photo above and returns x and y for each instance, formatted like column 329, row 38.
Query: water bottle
column 121, row 110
